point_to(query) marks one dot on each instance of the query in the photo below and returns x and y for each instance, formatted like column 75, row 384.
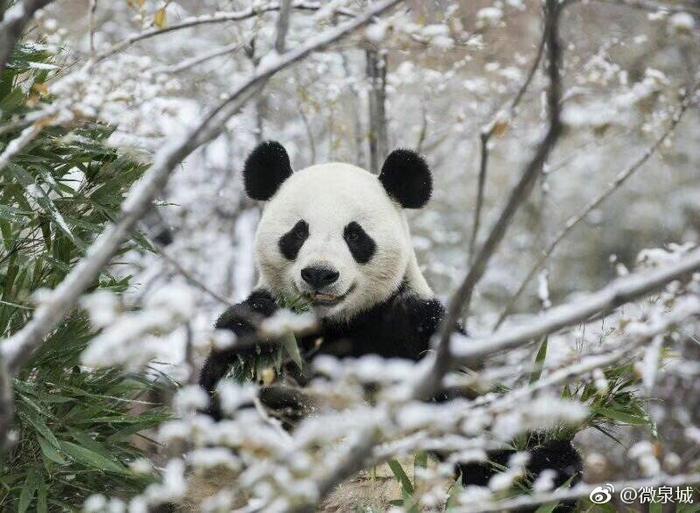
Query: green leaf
column 28, row 490
column 41, row 497
column 50, row 452
column 688, row 508
column 547, row 508
column 92, row 459
column 539, row 361
column 40, row 426
column 401, row 476
column 289, row 342
column 621, row 416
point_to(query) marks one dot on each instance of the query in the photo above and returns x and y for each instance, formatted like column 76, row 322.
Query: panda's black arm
column 240, row 319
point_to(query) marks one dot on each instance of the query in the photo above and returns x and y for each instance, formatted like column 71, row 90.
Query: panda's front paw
column 244, row 318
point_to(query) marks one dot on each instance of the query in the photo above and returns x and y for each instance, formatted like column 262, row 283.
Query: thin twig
column 221, row 17
column 20, row 346
column 191, row 278
column 573, row 221
column 91, row 23
column 423, row 132
column 485, row 136
column 309, row 132
column 199, row 59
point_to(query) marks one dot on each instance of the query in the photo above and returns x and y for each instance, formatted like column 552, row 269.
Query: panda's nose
column 319, row 277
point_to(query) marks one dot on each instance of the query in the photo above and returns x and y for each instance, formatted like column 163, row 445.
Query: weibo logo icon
column 602, row 494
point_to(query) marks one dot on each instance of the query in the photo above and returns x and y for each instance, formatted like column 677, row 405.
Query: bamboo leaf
column 26, row 496
column 401, row 476
column 539, row 361
column 92, row 459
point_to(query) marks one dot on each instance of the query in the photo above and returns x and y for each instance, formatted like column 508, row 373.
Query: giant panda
column 337, row 235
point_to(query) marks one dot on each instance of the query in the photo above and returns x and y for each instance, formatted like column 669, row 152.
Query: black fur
column 361, row 245
column 407, row 179
column 291, row 242
column 400, row 327
column 265, row 169
column 241, row 320
column 557, row 455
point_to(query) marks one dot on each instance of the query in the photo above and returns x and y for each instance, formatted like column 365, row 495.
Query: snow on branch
column 18, row 348
column 619, row 292
column 220, row 17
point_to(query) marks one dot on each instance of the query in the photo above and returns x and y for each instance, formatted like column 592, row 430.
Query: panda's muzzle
column 319, row 279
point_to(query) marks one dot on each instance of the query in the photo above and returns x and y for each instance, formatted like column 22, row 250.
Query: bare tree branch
column 191, row 278
column 619, row 292
column 12, row 25
column 462, row 297
column 378, row 137
column 199, row 59
column 485, row 136
column 92, row 9
column 283, row 25
column 573, row 221
column 18, row 348
column 243, row 14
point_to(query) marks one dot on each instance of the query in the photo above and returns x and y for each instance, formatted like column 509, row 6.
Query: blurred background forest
column 434, row 76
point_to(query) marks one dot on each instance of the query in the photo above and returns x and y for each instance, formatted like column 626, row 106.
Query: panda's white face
column 333, row 235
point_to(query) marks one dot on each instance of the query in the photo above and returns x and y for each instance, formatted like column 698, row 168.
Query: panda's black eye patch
column 291, row 242
column 361, row 245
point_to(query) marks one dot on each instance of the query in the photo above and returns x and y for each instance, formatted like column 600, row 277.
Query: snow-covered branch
column 220, row 17
column 619, row 292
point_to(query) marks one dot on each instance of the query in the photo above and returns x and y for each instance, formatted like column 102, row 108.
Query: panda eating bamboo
column 336, row 235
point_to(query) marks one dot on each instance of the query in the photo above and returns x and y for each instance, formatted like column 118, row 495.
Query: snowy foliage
column 154, row 69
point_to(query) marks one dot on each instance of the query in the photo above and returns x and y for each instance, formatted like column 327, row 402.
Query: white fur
column 328, row 197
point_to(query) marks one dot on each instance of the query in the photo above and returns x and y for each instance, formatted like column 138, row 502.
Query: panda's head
column 335, row 233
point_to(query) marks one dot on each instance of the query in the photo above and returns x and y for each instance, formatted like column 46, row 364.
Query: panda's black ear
column 265, row 169
column 407, row 179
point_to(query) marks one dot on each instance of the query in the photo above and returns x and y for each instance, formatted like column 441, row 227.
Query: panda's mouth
column 325, row 299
